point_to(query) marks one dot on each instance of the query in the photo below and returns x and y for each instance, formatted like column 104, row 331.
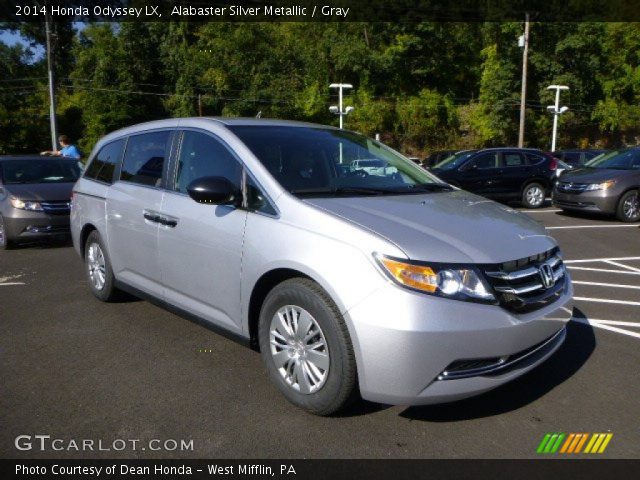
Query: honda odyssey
column 380, row 282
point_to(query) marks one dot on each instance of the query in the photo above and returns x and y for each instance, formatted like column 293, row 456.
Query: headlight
column 600, row 186
column 450, row 281
column 26, row 205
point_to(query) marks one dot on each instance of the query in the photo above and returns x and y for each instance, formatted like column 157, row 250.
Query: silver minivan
column 384, row 283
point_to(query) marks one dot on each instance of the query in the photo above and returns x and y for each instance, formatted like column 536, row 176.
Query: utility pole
column 52, row 93
column 199, row 105
column 556, row 110
column 524, row 42
column 338, row 109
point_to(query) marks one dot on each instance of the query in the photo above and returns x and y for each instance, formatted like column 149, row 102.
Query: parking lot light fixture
column 556, row 111
column 338, row 110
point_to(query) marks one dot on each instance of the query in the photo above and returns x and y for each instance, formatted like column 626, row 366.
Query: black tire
column 625, row 211
column 5, row 243
column 340, row 385
column 108, row 292
column 529, row 197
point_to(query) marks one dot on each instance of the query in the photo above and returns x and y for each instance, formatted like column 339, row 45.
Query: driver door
column 200, row 245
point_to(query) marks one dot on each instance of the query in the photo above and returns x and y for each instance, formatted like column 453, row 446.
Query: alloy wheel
column 631, row 207
column 535, row 196
column 96, row 266
column 299, row 349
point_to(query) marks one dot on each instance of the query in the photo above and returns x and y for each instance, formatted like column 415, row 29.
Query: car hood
column 40, row 191
column 456, row 227
column 593, row 175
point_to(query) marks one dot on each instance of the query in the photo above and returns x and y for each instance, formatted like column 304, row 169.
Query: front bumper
column 405, row 340
column 599, row 201
column 34, row 225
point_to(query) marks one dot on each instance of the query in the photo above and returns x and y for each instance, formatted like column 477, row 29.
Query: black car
column 577, row 158
column 35, row 196
column 437, row 157
column 522, row 174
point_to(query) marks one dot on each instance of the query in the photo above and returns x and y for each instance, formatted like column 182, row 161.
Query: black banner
column 321, row 469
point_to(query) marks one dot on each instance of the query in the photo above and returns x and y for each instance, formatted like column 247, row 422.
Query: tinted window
column 534, row 158
column 485, row 160
column 513, row 160
column 203, row 156
column 572, row 157
column 618, row 160
column 104, row 163
column 144, row 159
column 47, row 170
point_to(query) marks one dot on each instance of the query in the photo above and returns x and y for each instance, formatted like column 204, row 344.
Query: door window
column 485, row 161
column 202, row 155
column 513, row 160
column 144, row 159
column 104, row 163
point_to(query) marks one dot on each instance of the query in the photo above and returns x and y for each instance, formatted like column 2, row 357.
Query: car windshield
column 316, row 161
column 453, row 161
column 618, row 160
column 46, row 170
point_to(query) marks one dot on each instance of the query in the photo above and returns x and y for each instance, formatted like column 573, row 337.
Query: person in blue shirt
column 67, row 149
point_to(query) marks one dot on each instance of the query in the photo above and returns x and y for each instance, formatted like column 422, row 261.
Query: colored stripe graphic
column 573, row 443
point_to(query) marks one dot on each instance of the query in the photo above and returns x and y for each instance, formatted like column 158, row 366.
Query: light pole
column 523, row 42
column 556, row 111
column 337, row 110
column 52, row 93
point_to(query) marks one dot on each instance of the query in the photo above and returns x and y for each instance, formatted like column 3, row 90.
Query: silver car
column 395, row 287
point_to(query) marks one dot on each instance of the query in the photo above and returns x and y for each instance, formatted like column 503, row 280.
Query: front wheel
column 306, row 347
column 629, row 207
column 533, row 195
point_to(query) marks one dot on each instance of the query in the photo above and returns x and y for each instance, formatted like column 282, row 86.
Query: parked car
column 396, row 286
column 609, row 184
column 523, row 174
column 577, row 157
column 35, row 192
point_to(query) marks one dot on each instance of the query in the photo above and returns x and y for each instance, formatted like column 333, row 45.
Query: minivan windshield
column 316, row 161
column 453, row 161
column 46, row 170
column 628, row 159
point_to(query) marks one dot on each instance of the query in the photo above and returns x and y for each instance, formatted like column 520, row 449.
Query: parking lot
column 75, row 368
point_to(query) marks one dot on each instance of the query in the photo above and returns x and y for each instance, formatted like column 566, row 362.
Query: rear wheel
column 306, row 347
column 5, row 243
column 533, row 195
column 98, row 269
column 629, row 207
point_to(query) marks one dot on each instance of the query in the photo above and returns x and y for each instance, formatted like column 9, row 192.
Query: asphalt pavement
column 76, row 369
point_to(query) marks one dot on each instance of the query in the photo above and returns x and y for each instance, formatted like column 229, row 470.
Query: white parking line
column 591, row 226
column 589, row 260
column 590, row 269
column 598, row 284
column 616, row 322
column 606, row 300
column 595, row 323
column 8, row 284
column 622, row 265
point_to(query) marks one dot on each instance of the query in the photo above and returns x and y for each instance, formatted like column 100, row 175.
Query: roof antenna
column 259, row 115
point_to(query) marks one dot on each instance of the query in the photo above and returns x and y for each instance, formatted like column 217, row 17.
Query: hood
column 456, row 227
column 593, row 175
column 41, row 191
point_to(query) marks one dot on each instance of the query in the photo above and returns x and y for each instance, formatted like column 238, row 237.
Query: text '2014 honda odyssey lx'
column 382, row 282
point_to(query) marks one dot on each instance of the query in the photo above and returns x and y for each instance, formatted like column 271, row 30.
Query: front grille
column 572, row 187
column 62, row 207
column 527, row 284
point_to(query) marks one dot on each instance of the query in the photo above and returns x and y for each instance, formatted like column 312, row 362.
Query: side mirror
column 214, row 190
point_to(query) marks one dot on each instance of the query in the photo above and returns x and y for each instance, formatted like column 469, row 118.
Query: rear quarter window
column 104, row 164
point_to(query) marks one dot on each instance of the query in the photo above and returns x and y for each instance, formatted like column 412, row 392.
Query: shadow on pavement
column 567, row 360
